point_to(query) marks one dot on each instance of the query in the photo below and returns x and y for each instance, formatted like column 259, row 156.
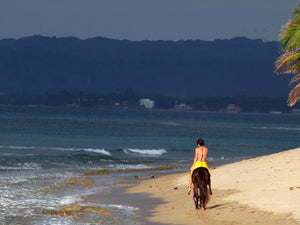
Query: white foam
column 30, row 166
column 279, row 128
column 100, row 151
column 64, row 149
column 18, row 147
column 22, row 166
column 95, row 150
column 122, row 209
column 17, row 180
column 146, row 152
column 66, row 200
column 139, row 166
column 209, row 159
column 126, row 207
column 171, row 124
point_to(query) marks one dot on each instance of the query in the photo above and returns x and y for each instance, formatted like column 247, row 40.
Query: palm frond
column 290, row 35
column 296, row 12
column 288, row 63
column 295, row 79
column 294, row 95
column 285, row 28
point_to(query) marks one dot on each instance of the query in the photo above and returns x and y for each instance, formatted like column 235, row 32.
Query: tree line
column 130, row 100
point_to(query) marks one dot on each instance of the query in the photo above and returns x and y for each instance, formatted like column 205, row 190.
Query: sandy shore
column 262, row 190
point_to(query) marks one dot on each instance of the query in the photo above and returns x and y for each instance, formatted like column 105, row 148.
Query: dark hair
column 200, row 142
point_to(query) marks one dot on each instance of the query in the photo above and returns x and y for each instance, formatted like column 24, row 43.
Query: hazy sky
column 145, row 19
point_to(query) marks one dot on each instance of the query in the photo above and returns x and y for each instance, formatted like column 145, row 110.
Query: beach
column 260, row 190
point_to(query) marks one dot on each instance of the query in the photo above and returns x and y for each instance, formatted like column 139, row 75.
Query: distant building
column 146, row 103
column 183, row 107
column 276, row 112
column 295, row 111
column 233, row 108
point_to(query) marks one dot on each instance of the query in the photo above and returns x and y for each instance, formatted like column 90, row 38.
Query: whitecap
column 210, row 159
column 18, row 147
column 22, row 166
column 171, row 124
column 64, row 149
column 278, row 128
column 147, row 152
column 100, row 151
column 95, row 150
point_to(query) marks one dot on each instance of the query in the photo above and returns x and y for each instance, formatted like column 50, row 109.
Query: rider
column 199, row 160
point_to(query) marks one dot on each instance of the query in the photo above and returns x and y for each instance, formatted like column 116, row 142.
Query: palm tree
column 289, row 61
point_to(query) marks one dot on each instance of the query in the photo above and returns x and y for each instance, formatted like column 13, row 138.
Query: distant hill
column 240, row 66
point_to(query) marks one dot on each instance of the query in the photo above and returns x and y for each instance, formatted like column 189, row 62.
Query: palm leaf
column 295, row 79
column 296, row 12
column 294, row 95
column 285, row 28
column 290, row 35
column 288, row 63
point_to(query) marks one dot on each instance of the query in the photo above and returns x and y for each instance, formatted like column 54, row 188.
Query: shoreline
column 255, row 192
column 153, row 110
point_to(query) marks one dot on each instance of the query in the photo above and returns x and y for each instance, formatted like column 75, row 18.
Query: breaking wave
column 94, row 150
column 145, row 152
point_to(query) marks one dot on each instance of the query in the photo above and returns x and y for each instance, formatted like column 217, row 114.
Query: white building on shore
column 233, row 108
column 183, row 107
column 146, row 103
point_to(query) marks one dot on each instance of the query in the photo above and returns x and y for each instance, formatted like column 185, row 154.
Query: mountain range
column 236, row 67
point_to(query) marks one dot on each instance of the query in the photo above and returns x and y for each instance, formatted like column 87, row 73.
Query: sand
column 262, row 190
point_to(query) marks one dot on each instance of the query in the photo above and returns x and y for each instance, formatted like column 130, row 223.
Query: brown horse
column 201, row 179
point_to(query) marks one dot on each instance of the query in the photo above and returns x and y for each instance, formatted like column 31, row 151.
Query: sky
column 146, row 19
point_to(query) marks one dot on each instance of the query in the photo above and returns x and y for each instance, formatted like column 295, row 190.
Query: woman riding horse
column 199, row 161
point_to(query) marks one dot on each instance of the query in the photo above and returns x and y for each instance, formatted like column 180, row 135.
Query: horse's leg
column 199, row 198
column 196, row 195
column 203, row 203
column 202, row 198
column 209, row 185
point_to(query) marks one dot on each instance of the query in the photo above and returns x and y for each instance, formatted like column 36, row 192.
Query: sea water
column 42, row 148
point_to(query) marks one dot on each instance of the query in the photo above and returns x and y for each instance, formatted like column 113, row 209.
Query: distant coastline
column 229, row 105
column 291, row 111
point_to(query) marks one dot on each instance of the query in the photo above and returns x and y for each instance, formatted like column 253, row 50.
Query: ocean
column 54, row 157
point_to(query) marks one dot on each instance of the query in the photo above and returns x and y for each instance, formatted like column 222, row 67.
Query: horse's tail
column 203, row 185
